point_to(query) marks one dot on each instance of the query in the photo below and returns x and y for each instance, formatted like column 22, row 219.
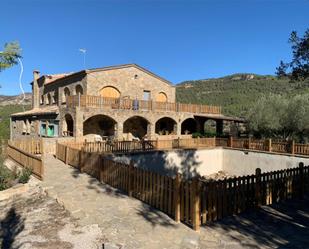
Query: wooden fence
column 26, row 159
column 32, row 146
column 132, row 104
column 196, row 201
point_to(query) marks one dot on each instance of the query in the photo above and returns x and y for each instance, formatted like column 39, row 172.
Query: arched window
column 49, row 99
column 42, row 100
column 79, row 90
column 161, row 97
column 110, row 92
column 66, row 93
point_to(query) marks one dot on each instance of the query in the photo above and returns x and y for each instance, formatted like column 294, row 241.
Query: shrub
column 25, row 175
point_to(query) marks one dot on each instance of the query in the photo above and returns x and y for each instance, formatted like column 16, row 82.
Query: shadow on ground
column 10, row 226
column 284, row 225
column 154, row 216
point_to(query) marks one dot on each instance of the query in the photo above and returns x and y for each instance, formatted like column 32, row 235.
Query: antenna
column 83, row 50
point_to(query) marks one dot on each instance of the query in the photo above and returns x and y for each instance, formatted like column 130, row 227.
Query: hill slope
column 237, row 93
column 15, row 100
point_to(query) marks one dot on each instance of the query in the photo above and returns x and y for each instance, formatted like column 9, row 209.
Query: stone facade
column 51, row 116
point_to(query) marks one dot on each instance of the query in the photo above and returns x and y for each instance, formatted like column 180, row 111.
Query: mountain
column 238, row 92
column 15, row 100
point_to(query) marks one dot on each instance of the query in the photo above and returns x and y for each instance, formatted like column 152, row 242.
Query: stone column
column 151, row 131
column 119, row 130
column 78, row 123
column 178, row 129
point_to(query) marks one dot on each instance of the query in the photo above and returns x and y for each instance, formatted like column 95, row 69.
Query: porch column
column 119, row 131
column 178, row 128
column 78, row 123
column 150, row 131
column 219, row 127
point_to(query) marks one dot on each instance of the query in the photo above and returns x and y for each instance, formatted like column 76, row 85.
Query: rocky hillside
column 15, row 100
column 237, row 93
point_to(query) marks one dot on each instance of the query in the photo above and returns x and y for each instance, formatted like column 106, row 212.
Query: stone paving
column 33, row 220
column 129, row 223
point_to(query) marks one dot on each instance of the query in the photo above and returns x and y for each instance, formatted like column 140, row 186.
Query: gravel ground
column 34, row 220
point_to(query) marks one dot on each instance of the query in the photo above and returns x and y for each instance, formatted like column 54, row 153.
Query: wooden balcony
column 134, row 104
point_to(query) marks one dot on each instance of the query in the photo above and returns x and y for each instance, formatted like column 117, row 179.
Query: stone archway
column 136, row 126
column 166, row 126
column 79, row 90
column 100, row 124
column 188, row 126
column 68, row 126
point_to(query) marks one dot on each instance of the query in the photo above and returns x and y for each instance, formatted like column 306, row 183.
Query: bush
column 6, row 177
column 25, row 175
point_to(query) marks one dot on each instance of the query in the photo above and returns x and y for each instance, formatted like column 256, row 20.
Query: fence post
column 131, row 179
column 249, row 143
column 230, row 142
column 178, row 142
column 258, row 200
column 177, row 197
column 301, row 180
column 157, row 143
column 66, row 154
column 269, row 145
column 292, row 147
column 195, row 212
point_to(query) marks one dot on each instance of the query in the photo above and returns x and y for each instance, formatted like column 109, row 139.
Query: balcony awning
column 38, row 111
column 220, row 117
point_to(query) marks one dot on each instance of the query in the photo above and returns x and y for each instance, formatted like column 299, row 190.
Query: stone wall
column 131, row 82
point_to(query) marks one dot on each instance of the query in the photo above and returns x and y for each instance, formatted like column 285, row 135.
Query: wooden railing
column 265, row 145
column 191, row 201
column 25, row 158
column 131, row 104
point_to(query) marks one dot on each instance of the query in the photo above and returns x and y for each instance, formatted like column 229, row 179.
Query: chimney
column 35, row 90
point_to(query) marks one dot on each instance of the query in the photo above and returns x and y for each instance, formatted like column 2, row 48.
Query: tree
column 299, row 66
column 277, row 116
column 9, row 56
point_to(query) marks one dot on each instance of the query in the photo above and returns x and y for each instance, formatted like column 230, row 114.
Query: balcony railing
column 134, row 104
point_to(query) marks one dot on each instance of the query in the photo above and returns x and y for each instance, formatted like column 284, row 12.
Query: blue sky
column 178, row 40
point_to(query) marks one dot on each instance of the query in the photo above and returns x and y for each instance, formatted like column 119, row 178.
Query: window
column 79, row 90
column 161, row 97
column 110, row 92
column 66, row 93
column 146, row 95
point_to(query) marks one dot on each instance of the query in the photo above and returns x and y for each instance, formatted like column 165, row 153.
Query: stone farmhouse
column 121, row 102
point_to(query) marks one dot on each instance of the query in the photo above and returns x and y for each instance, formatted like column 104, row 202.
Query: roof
column 52, row 77
column 56, row 77
column 38, row 111
column 221, row 117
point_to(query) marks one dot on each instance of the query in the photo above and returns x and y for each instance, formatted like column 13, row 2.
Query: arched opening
column 166, row 126
column 110, row 92
column 188, row 126
column 66, row 93
column 42, row 100
column 79, row 90
column 100, row 125
column 135, row 127
column 49, row 99
column 68, row 126
column 210, row 128
column 161, row 97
